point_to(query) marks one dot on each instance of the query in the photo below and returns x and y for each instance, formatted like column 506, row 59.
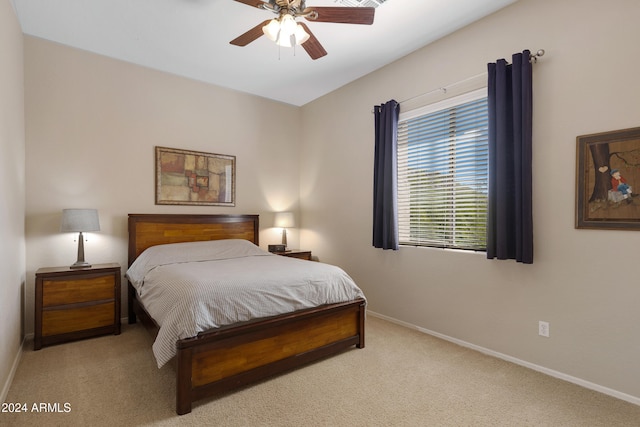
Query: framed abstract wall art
column 608, row 180
column 186, row 177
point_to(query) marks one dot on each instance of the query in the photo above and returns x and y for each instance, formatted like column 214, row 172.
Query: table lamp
column 79, row 220
column 284, row 220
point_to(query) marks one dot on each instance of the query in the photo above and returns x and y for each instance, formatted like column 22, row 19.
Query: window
column 443, row 173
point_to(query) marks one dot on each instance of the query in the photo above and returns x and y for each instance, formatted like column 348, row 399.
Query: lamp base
column 80, row 262
column 80, row 265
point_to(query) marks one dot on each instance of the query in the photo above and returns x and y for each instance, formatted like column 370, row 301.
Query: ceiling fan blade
column 341, row 15
column 249, row 36
column 312, row 45
column 254, row 3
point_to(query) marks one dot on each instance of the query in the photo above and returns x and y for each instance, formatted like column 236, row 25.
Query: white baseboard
column 556, row 374
column 12, row 372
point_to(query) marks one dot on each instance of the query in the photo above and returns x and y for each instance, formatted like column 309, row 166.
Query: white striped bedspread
column 192, row 287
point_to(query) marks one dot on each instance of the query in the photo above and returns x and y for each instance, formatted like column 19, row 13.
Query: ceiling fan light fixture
column 285, row 31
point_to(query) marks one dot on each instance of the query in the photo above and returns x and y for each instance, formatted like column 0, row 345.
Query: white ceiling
column 191, row 38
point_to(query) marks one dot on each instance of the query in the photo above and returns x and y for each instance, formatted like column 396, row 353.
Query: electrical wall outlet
column 543, row 329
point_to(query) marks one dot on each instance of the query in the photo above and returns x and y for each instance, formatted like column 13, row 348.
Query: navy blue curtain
column 385, row 176
column 509, row 215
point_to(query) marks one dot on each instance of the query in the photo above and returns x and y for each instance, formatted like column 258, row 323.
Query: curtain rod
column 443, row 89
column 532, row 57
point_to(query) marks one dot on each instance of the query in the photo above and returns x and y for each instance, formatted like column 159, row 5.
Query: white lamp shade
column 287, row 24
column 301, row 35
column 284, row 220
column 79, row 220
column 272, row 29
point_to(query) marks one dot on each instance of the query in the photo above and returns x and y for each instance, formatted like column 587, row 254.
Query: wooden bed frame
column 222, row 359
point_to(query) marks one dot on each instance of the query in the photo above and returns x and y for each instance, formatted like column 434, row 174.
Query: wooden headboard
column 146, row 230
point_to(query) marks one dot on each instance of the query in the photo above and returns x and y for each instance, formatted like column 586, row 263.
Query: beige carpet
column 401, row 378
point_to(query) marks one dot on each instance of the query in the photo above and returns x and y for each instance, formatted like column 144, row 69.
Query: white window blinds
column 443, row 174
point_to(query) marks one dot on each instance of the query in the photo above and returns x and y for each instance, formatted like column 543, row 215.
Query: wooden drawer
column 62, row 321
column 71, row 291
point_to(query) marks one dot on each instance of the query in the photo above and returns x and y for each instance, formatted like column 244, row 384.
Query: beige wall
column 584, row 282
column 12, row 192
column 92, row 125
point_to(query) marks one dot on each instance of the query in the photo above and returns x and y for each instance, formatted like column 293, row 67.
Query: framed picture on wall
column 185, row 177
column 608, row 180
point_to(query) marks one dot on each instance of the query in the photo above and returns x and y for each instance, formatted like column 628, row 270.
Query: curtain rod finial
column 535, row 56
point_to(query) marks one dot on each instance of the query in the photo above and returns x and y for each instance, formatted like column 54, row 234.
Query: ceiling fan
column 285, row 31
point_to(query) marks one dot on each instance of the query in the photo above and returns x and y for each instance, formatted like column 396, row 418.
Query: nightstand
column 74, row 304
column 296, row 253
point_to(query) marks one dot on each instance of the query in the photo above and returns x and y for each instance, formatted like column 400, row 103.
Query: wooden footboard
column 221, row 360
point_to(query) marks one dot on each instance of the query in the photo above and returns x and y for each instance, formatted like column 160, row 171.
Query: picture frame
column 186, row 177
column 608, row 180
